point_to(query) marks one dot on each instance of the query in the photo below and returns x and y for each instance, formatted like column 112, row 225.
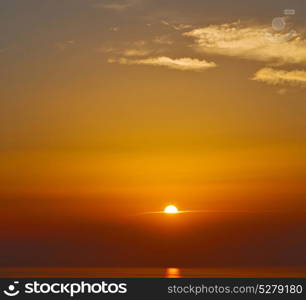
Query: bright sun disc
column 170, row 209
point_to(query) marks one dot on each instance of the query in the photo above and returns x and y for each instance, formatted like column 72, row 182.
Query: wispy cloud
column 64, row 45
column 116, row 5
column 177, row 27
column 137, row 48
column 183, row 64
column 163, row 40
column 114, row 29
column 282, row 91
column 136, row 52
column 253, row 42
column 278, row 77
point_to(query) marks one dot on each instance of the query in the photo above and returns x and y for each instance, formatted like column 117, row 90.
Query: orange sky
column 110, row 111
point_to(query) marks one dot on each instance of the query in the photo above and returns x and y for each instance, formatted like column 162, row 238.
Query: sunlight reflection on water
column 173, row 273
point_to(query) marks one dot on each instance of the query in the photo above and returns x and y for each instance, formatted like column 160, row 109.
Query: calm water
column 151, row 272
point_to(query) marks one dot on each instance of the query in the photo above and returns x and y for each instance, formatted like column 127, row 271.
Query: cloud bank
column 252, row 42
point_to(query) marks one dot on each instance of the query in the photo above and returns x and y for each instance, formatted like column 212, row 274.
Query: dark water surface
column 152, row 272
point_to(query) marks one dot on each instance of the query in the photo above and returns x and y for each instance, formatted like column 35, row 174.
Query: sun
column 170, row 209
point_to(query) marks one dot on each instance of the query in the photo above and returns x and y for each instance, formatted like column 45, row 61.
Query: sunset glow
column 142, row 133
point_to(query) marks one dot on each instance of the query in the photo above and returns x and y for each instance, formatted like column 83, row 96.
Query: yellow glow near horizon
column 170, row 209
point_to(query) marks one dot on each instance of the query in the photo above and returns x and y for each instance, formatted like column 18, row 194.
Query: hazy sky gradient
column 112, row 108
